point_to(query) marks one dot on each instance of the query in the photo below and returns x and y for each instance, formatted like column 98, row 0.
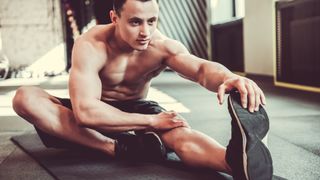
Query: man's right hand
column 168, row 120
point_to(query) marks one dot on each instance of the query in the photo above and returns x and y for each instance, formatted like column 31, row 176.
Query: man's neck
column 120, row 44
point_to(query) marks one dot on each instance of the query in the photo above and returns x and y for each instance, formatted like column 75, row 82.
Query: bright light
column 52, row 61
column 166, row 101
column 214, row 3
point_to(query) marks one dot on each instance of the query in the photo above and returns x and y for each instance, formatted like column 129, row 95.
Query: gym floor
column 294, row 138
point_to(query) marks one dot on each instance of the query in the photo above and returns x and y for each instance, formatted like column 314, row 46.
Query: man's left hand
column 251, row 95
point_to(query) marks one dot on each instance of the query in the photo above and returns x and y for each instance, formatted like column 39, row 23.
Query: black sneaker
column 142, row 147
column 248, row 157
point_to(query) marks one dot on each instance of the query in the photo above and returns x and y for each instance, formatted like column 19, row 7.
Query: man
column 112, row 66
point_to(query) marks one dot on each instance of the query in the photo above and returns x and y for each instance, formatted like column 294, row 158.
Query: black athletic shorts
column 131, row 106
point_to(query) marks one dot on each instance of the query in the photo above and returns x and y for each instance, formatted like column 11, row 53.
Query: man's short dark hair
column 118, row 5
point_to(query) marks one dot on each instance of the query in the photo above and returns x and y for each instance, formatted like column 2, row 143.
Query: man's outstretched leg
column 197, row 149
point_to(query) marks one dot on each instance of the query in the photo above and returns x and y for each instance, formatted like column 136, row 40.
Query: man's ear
column 113, row 16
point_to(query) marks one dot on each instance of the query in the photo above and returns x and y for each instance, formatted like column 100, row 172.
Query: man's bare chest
column 130, row 71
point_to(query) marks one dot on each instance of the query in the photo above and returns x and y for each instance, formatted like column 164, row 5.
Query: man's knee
column 176, row 137
column 23, row 99
column 183, row 140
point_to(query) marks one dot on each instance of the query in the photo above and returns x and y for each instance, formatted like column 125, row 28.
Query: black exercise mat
column 68, row 165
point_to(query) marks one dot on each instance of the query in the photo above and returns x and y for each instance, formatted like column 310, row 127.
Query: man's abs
column 131, row 84
column 123, row 93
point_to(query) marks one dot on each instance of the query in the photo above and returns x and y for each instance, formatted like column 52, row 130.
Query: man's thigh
column 150, row 107
column 173, row 137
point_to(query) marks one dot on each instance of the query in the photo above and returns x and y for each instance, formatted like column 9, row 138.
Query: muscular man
column 112, row 66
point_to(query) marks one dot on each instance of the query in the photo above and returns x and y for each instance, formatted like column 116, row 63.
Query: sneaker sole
column 257, row 161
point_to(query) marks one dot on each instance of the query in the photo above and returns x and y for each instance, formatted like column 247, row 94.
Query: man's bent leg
column 47, row 113
column 196, row 149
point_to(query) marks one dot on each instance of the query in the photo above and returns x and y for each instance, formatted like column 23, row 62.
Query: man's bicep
column 84, row 82
column 84, row 90
column 84, row 85
column 181, row 61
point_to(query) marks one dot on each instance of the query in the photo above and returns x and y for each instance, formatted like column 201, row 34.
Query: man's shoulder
column 96, row 34
column 101, row 29
column 167, row 44
column 160, row 40
column 94, row 38
column 90, row 44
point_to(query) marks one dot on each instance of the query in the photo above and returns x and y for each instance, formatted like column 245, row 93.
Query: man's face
column 138, row 22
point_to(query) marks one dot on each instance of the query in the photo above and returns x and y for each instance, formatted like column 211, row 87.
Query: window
column 226, row 10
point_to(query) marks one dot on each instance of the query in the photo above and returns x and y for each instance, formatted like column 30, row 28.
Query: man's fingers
column 263, row 98
column 251, row 97
column 244, row 94
column 174, row 113
column 180, row 123
column 178, row 120
column 257, row 97
column 244, row 100
column 185, row 124
column 171, row 113
column 221, row 93
column 258, row 102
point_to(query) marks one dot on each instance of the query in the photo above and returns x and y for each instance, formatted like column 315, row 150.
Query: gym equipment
column 4, row 66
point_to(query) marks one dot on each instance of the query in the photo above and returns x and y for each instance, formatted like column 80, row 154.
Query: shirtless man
column 112, row 66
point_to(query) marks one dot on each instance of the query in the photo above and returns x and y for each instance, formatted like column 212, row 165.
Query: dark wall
column 227, row 44
column 76, row 14
column 298, row 42
column 82, row 12
column 102, row 9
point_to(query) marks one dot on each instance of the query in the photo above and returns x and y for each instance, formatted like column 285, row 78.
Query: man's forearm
column 211, row 75
column 99, row 115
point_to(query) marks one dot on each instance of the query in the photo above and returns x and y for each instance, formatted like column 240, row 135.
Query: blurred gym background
column 276, row 39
